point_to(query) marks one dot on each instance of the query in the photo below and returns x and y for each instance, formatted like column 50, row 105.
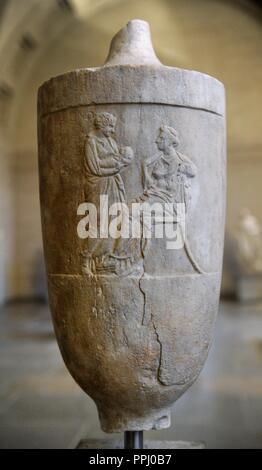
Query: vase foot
column 148, row 444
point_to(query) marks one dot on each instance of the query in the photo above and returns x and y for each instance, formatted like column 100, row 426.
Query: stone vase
column 133, row 317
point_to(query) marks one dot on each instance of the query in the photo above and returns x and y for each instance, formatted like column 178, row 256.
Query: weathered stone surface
column 133, row 319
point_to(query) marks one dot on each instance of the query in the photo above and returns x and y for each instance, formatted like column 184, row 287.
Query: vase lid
column 132, row 73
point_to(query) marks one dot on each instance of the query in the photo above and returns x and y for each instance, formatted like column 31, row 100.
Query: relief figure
column 167, row 179
column 104, row 160
column 168, row 173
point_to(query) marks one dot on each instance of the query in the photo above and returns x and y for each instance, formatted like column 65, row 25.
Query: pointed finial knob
column 132, row 45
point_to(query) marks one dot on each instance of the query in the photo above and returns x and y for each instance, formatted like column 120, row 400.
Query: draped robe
column 102, row 166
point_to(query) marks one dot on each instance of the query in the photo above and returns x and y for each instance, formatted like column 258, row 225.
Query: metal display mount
column 133, row 440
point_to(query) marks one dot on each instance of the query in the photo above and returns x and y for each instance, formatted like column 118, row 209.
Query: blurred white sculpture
column 248, row 243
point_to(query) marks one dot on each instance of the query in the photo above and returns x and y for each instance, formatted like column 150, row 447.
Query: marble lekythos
column 133, row 316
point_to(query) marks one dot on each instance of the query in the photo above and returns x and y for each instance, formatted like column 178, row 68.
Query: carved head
column 105, row 122
column 167, row 137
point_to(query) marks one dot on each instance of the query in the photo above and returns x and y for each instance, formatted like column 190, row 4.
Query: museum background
column 40, row 405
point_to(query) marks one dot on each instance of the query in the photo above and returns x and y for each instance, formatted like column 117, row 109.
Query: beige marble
column 134, row 320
